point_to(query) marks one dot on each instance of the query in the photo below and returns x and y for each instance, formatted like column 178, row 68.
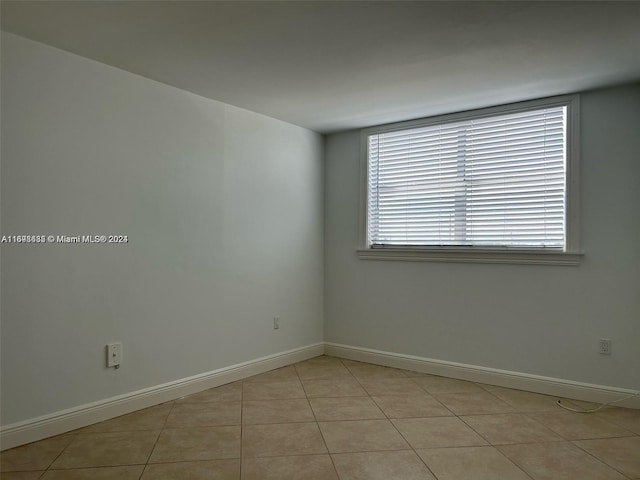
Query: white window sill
column 444, row 254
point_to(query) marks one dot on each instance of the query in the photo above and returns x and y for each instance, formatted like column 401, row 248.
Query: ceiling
column 336, row 65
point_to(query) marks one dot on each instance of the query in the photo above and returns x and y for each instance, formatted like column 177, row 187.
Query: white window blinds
column 494, row 181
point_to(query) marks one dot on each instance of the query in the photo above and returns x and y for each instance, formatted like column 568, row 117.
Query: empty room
column 320, row 240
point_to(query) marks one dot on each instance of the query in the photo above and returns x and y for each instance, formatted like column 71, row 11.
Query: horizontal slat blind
column 489, row 182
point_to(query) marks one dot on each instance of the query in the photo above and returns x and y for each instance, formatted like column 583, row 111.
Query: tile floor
column 330, row 419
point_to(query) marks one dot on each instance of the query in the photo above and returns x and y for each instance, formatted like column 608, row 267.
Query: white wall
column 223, row 208
column 543, row 320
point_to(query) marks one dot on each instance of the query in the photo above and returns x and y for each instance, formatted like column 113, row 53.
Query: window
column 493, row 185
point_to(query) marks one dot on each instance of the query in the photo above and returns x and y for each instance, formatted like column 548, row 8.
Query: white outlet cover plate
column 114, row 354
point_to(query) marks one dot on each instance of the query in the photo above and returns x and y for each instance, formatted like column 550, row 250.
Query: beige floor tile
column 400, row 464
column 580, row 404
column 345, row 408
column 130, row 472
column 273, row 390
column 391, row 386
column 407, row 406
column 477, row 463
column 376, row 372
column 580, row 426
column 558, row 461
column 300, row 467
column 225, row 393
column 510, row 428
column 524, row 401
column 276, row 411
column 473, row 403
column 322, row 360
column 208, row 470
column 201, row 443
column 312, row 371
column 34, row 456
column 107, row 449
column 413, row 373
column 344, row 387
column 204, row 414
column 628, row 418
column 279, row 375
column 437, row 432
column 361, row 436
column 435, row 384
column 353, row 363
column 35, row 475
column 148, row 419
column 282, row 439
column 623, row 454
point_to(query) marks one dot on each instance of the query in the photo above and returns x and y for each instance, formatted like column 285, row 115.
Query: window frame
column 572, row 254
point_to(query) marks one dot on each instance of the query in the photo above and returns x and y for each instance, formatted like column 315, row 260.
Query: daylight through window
column 489, row 181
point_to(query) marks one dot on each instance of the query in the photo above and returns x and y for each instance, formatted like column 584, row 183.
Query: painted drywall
column 543, row 320
column 222, row 207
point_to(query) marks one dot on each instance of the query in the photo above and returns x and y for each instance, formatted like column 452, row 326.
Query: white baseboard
column 56, row 423
column 34, row 429
column 503, row 378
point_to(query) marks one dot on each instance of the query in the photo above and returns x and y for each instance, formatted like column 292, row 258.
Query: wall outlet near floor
column 114, row 354
column 276, row 323
column 605, row 346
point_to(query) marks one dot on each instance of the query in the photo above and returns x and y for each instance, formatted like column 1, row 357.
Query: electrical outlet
column 605, row 346
column 276, row 323
column 114, row 354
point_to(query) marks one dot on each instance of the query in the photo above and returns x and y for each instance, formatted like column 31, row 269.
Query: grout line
column 173, row 404
column 170, row 462
column 350, row 377
column 324, row 440
column 459, row 417
column 631, row 434
column 400, row 433
column 573, row 442
column 512, row 462
column 57, row 456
